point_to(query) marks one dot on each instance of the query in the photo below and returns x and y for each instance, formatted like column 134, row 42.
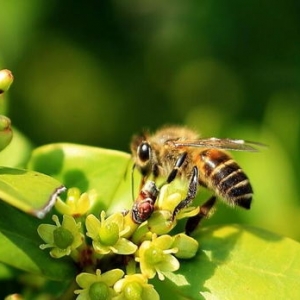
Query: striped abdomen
column 224, row 176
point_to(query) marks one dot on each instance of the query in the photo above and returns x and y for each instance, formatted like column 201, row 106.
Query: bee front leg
column 192, row 191
column 178, row 164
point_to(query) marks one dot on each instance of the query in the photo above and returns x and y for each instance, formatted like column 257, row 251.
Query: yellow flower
column 76, row 204
column 107, row 234
column 98, row 286
column 170, row 196
column 63, row 238
column 156, row 256
column 135, row 287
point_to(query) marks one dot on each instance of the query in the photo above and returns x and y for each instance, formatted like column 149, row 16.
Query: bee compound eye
column 143, row 151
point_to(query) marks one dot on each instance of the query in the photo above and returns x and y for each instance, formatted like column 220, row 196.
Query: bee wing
column 226, row 144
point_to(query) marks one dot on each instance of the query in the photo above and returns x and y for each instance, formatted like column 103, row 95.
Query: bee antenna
column 132, row 181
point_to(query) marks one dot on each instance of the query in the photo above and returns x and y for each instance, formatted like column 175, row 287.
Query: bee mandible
column 143, row 206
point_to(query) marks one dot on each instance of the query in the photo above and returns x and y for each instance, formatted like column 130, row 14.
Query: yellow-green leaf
column 239, row 262
column 107, row 172
column 30, row 191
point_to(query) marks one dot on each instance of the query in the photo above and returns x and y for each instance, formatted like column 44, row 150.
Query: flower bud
column 133, row 291
column 109, row 234
column 6, row 79
column 63, row 237
column 135, row 287
column 14, row 297
column 99, row 291
column 6, row 133
column 168, row 198
column 160, row 222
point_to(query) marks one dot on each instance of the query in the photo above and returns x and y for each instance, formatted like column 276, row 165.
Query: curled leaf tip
column 41, row 213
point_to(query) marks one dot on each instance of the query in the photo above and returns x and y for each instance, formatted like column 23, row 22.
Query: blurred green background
column 95, row 72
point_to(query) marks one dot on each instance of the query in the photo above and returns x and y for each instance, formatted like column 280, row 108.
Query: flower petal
column 116, row 218
column 100, row 249
column 92, row 225
column 124, row 246
column 147, row 270
column 45, row 231
column 83, row 294
column 69, row 223
column 84, row 280
column 62, row 207
column 169, row 264
column 149, row 293
column 83, row 204
column 163, row 241
column 112, row 276
column 58, row 253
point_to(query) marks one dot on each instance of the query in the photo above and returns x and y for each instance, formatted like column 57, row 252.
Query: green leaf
column 29, row 191
column 20, row 246
column 108, row 172
column 238, row 262
column 11, row 156
column 84, row 167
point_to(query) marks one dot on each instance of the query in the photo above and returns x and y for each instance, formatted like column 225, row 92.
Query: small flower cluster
column 146, row 250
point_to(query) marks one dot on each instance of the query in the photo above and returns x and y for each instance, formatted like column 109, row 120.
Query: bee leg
column 177, row 166
column 192, row 191
column 205, row 209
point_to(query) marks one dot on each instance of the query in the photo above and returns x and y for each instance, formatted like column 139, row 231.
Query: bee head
column 142, row 154
column 143, row 158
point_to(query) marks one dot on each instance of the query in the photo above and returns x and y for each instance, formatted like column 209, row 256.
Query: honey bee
column 179, row 152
